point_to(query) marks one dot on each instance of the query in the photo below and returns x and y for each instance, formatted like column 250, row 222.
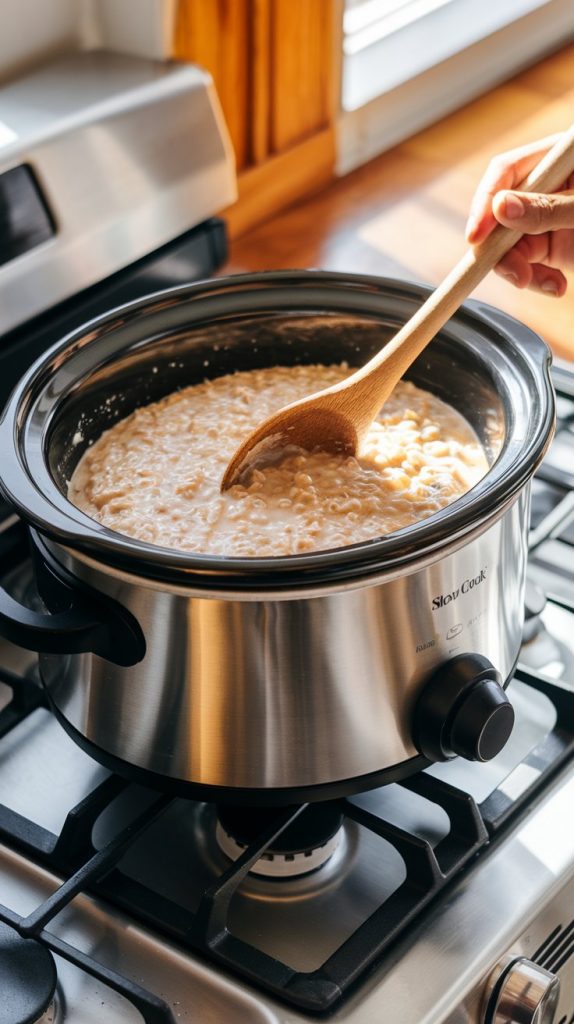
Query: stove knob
column 463, row 710
column 523, row 993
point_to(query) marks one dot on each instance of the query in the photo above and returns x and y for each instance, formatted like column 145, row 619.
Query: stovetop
column 430, row 881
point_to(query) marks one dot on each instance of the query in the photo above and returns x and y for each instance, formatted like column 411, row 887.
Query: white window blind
column 407, row 63
column 388, row 42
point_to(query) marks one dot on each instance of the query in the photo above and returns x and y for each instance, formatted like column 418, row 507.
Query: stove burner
column 27, row 978
column 304, row 846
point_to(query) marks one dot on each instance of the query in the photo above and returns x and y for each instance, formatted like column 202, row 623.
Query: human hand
column 546, row 249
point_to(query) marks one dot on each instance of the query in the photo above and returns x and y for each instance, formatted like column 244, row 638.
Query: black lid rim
column 72, row 528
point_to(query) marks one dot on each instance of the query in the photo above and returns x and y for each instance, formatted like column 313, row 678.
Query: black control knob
column 463, row 710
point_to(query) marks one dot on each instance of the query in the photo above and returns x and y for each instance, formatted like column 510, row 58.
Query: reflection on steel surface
column 293, row 691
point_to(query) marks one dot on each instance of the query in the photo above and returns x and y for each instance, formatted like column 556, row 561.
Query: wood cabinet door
column 276, row 70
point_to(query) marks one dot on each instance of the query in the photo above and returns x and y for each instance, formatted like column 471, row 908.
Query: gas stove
column 444, row 899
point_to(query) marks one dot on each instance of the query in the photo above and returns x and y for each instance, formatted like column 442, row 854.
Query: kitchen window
column 407, row 63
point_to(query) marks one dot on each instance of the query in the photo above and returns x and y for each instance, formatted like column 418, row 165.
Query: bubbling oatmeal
column 156, row 475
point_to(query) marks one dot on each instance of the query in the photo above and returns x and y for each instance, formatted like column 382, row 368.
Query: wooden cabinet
column 275, row 67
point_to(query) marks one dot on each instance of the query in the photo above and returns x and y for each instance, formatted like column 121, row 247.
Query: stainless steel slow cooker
column 277, row 679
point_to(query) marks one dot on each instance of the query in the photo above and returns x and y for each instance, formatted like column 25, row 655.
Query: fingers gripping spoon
column 338, row 418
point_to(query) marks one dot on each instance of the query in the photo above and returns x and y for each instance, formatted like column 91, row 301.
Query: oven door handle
column 81, row 623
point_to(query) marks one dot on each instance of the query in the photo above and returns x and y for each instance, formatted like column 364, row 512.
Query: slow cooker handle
column 83, row 623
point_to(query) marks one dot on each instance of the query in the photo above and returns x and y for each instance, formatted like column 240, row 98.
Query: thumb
column 534, row 212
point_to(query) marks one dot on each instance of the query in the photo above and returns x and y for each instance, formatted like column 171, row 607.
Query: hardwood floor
column 403, row 214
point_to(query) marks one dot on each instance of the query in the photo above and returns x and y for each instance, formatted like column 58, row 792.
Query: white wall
column 32, row 31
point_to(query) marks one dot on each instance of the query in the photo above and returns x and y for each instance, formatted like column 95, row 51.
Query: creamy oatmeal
column 156, row 475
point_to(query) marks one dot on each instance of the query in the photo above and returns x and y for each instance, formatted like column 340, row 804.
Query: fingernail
column 513, row 207
column 470, row 227
column 549, row 286
column 509, row 276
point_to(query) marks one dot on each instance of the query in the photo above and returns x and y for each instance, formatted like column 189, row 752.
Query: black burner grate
column 152, row 1009
column 72, row 855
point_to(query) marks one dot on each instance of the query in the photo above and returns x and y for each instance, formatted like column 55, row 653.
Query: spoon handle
column 377, row 378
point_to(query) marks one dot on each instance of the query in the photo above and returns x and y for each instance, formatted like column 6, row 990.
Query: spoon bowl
column 309, row 423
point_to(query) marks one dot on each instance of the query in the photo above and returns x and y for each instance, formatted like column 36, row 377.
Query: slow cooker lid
column 132, row 354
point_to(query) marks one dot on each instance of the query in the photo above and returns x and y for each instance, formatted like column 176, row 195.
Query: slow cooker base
column 278, row 797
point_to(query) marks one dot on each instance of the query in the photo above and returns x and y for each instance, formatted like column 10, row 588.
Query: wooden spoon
column 338, row 418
